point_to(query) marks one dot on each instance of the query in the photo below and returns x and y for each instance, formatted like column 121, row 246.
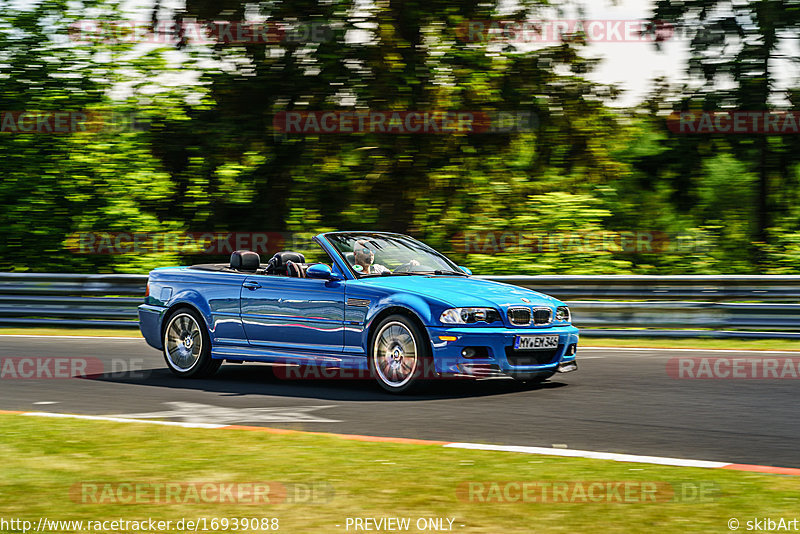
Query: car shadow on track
column 243, row 379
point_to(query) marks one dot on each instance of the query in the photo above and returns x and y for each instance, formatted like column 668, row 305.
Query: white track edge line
column 574, row 453
column 120, row 419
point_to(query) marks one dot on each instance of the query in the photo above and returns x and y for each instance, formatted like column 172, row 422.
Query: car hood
column 462, row 291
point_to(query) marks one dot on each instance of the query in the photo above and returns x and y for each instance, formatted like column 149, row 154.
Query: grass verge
column 92, row 332
column 44, row 460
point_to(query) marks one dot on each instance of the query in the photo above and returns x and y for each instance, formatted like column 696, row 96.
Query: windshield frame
column 378, row 235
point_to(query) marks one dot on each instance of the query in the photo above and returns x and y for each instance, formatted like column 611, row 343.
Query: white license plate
column 535, row 342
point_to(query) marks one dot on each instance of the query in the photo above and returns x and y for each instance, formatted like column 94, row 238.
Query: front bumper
column 499, row 359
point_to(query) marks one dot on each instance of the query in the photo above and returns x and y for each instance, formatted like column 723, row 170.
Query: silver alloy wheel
column 183, row 342
column 395, row 354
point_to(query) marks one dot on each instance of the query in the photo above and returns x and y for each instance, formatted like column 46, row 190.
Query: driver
column 364, row 256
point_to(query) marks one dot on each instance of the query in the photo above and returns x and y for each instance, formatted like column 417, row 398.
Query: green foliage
column 737, row 56
column 580, row 186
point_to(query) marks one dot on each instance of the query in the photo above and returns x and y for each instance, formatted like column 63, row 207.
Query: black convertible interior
column 286, row 263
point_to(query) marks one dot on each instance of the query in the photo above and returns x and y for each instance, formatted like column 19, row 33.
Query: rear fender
column 190, row 298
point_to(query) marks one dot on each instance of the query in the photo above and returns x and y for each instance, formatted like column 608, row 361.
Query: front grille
column 542, row 315
column 528, row 357
column 519, row 316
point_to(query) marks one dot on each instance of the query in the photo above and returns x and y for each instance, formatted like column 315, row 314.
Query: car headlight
column 562, row 314
column 469, row 315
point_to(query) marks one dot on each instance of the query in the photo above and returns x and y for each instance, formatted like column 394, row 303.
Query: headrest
column 245, row 260
column 296, row 270
column 277, row 265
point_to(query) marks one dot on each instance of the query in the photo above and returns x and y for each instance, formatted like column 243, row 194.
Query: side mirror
column 321, row 271
column 465, row 269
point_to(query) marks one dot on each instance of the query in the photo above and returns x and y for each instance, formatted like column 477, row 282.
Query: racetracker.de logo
column 29, row 368
column 585, row 491
column 557, row 30
column 199, row 32
column 735, row 122
column 625, row 242
column 763, row 368
column 403, row 122
column 221, row 243
column 257, row 493
column 426, row 370
column 66, row 122
column 64, row 368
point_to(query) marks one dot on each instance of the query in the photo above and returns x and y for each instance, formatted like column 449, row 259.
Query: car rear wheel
column 399, row 354
column 187, row 345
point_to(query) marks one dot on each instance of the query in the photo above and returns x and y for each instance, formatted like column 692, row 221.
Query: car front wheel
column 399, row 355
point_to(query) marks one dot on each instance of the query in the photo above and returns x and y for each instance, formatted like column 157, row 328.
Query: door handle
column 251, row 284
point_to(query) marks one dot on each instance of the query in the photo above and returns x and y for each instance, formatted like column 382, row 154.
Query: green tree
column 739, row 42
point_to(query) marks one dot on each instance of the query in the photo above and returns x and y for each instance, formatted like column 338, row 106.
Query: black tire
column 393, row 343
column 183, row 357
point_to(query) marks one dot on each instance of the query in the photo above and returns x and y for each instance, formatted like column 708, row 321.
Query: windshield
column 386, row 254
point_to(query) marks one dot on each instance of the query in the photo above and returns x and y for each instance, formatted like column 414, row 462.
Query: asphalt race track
column 621, row 401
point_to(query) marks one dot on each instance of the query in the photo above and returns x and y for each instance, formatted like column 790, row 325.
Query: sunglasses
column 365, row 251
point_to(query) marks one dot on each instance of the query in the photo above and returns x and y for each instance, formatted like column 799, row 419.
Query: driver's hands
column 377, row 268
column 407, row 266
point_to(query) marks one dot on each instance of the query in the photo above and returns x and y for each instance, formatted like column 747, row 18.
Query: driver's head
column 362, row 253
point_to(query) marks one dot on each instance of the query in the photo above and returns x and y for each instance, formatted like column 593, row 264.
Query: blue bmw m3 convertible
column 381, row 303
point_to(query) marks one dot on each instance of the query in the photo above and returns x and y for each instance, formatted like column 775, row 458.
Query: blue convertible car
column 385, row 304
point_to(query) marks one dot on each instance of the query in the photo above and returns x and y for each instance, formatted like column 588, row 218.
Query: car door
column 293, row 314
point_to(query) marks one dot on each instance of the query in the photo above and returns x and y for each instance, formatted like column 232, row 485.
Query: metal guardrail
column 717, row 306
column 95, row 300
column 647, row 287
column 608, row 306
